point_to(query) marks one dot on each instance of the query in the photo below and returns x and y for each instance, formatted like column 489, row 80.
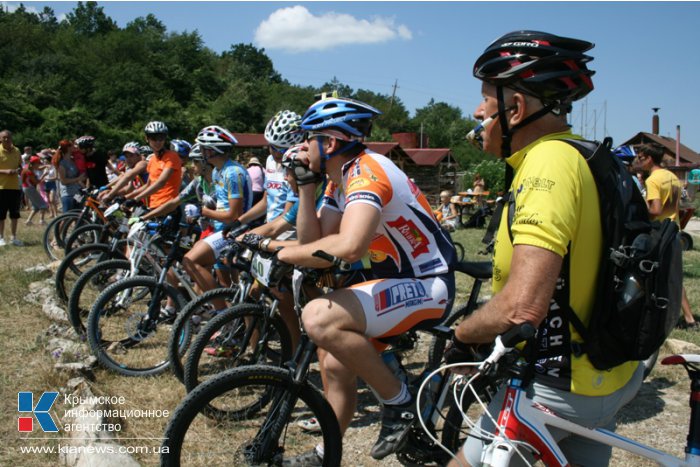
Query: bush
column 493, row 173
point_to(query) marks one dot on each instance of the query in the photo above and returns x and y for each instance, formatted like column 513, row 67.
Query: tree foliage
column 85, row 74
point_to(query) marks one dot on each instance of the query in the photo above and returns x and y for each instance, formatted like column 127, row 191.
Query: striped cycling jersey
column 409, row 241
column 231, row 182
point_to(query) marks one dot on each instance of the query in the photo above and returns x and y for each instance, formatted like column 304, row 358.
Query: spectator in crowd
column 257, row 175
column 68, row 174
column 10, row 195
column 26, row 155
column 50, row 188
column 663, row 195
column 112, row 165
column 447, row 213
column 30, row 183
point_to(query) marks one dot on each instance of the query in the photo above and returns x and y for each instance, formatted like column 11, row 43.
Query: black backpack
column 639, row 284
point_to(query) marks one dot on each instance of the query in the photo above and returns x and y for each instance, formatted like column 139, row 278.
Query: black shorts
column 10, row 200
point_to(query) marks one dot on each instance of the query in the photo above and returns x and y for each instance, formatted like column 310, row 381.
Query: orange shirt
column 156, row 165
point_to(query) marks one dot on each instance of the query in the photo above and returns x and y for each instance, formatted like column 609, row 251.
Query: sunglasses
column 156, row 137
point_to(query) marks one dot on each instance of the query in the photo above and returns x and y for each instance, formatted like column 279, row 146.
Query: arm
column 235, row 209
column 357, row 228
column 67, row 181
column 120, row 183
column 525, row 297
column 152, row 187
column 453, row 212
column 655, row 207
column 163, row 209
column 255, row 212
column 308, row 222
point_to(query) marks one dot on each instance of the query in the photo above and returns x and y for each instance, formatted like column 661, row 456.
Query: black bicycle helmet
column 543, row 65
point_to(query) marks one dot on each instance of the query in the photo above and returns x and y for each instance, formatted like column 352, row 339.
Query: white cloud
column 295, row 29
column 11, row 7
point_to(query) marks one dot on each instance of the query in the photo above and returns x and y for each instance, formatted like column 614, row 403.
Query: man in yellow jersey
column 530, row 80
column 663, row 198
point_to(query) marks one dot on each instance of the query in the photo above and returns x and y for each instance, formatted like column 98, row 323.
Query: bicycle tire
column 77, row 262
column 193, row 438
column 68, row 227
column 99, row 276
column 83, row 235
column 116, row 331
column 184, row 329
column 238, row 322
column 459, row 248
column 51, row 241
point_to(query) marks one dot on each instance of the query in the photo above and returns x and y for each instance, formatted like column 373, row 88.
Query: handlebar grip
column 334, row 260
column 519, row 333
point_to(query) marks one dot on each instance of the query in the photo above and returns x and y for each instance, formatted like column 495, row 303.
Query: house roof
column 687, row 155
column 421, row 157
column 251, row 140
column 428, row 157
column 381, row 148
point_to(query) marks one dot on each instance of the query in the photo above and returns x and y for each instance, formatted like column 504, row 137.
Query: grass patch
column 26, row 366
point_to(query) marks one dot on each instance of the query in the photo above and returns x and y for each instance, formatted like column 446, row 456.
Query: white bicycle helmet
column 196, row 153
column 85, row 142
column 156, row 128
column 217, row 138
column 290, row 154
column 132, row 147
column 284, row 130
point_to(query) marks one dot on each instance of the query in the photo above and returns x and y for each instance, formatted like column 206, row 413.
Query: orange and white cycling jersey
column 409, row 241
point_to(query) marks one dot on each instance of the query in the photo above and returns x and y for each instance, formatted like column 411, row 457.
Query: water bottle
column 391, row 360
column 631, row 289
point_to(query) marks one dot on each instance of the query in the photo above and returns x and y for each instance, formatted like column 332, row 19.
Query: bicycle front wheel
column 52, row 241
column 89, row 286
column 265, row 437
column 120, row 332
column 243, row 335
column 191, row 320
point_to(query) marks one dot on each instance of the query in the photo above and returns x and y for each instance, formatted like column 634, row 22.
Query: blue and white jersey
column 231, row 182
column 277, row 189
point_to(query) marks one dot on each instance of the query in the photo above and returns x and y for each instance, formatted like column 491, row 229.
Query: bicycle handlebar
column 334, row 260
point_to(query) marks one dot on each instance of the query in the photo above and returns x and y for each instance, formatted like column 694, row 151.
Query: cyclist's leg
column 199, row 260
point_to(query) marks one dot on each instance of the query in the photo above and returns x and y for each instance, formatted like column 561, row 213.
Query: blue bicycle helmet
column 625, row 153
column 349, row 117
column 181, row 147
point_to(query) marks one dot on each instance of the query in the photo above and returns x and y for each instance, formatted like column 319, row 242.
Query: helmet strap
column 507, row 133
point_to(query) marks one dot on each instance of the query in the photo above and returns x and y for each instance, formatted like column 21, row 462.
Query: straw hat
column 253, row 161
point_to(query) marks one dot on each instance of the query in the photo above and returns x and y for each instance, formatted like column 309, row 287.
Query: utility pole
column 393, row 93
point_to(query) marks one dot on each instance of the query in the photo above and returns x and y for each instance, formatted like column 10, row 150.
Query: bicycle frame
column 523, row 426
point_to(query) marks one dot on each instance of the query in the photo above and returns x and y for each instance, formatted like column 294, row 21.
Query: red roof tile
column 381, row 148
column 429, row 157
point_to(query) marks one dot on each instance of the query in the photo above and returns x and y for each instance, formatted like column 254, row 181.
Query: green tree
column 89, row 19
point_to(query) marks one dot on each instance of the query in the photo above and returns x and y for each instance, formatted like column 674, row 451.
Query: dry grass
column 25, row 366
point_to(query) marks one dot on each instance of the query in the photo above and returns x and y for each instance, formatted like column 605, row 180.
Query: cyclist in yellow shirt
column 530, row 80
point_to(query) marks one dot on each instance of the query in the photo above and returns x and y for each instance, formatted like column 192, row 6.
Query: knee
column 316, row 323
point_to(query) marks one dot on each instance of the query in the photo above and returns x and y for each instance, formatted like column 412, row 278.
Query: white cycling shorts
column 393, row 306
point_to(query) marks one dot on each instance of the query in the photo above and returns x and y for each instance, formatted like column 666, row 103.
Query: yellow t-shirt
column 662, row 184
column 557, row 208
column 9, row 160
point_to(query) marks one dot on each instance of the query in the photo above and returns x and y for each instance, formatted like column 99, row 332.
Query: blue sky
column 645, row 55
